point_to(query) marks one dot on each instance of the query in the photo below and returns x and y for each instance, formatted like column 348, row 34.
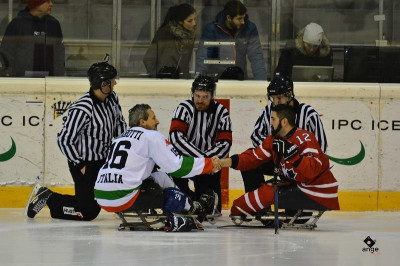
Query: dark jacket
column 247, row 43
column 171, row 47
column 34, row 44
column 294, row 54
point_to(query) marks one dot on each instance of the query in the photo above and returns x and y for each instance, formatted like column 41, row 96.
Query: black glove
column 178, row 224
column 284, row 148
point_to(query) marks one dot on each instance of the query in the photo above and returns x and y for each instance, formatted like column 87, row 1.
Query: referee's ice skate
column 40, row 196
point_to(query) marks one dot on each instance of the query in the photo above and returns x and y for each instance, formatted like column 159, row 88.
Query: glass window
column 88, row 34
column 358, row 46
column 3, row 15
column 358, row 41
column 136, row 22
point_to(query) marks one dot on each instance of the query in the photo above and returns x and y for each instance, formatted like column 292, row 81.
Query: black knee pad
column 151, row 196
column 291, row 197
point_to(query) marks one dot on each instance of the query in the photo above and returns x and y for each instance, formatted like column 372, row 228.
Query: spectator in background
column 171, row 49
column 232, row 24
column 33, row 41
column 310, row 48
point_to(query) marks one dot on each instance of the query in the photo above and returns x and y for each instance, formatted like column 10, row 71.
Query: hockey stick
column 276, row 215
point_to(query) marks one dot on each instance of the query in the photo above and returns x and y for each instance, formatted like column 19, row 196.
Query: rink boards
column 361, row 121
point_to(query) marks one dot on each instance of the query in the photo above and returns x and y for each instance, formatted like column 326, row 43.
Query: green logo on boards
column 10, row 153
column 345, row 161
column 352, row 160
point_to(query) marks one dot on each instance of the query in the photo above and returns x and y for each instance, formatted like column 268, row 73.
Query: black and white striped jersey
column 306, row 118
column 201, row 134
column 90, row 128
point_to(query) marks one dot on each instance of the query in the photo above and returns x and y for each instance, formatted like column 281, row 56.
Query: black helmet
column 100, row 72
column 204, row 83
column 280, row 84
column 233, row 73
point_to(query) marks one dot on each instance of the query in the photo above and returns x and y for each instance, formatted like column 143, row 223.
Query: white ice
column 338, row 240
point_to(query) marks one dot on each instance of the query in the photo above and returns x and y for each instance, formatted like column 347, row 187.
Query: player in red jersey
column 312, row 184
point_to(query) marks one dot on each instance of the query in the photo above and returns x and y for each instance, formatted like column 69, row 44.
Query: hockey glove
column 178, row 224
column 284, row 149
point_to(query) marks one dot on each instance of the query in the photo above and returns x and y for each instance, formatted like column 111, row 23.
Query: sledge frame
column 153, row 219
column 295, row 221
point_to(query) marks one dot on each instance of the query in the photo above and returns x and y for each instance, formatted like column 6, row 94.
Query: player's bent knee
column 266, row 189
column 239, row 202
column 90, row 215
column 265, row 194
column 89, row 218
column 174, row 200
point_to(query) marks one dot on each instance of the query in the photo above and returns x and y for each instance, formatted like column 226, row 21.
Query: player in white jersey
column 128, row 180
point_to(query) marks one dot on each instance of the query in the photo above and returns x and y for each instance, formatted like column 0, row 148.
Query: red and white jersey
column 309, row 167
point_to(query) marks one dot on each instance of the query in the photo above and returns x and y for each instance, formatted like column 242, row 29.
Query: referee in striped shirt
column 280, row 91
column 92, row 123
column 201, row 127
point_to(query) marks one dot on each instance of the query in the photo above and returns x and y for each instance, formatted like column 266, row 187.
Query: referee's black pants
column 82, row 206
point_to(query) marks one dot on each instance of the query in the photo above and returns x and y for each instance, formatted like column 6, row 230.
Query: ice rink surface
column 338, row 240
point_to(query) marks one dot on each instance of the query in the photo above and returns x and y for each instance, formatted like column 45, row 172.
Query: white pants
column 162, row 179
